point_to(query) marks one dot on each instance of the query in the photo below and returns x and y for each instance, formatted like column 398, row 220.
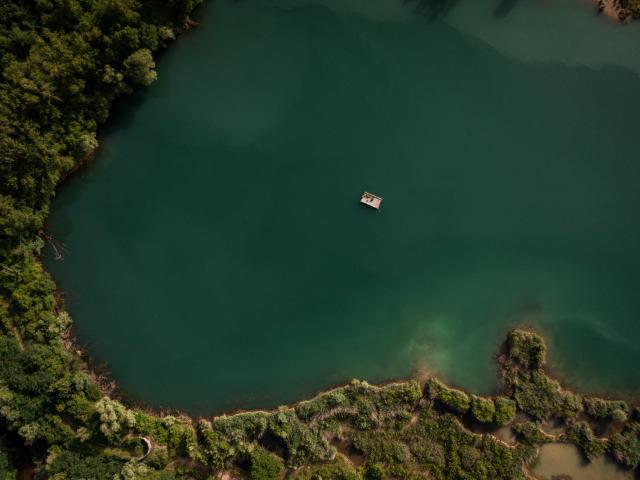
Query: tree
column 139, row 67
column 113, row 417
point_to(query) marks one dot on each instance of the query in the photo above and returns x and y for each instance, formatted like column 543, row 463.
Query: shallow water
column 557, row 459
column 218, row 256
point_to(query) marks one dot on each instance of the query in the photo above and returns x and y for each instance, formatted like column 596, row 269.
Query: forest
column 63, row 63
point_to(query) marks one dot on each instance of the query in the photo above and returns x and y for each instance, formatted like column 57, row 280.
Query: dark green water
column 218, row 256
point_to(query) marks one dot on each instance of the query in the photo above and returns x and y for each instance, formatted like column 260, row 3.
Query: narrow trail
column 332, row 413
column 18, row 337
column 11, row 326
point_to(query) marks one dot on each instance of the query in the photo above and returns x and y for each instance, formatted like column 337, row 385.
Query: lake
column 218, row 256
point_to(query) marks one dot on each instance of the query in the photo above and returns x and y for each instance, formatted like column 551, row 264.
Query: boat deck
column 371, row 200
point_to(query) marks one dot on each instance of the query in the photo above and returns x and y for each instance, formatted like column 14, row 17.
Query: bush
column 215, row 450
column 323, row 402
column 527, row 349
column 400, row 393
column 505, row 410
column 67, row 464
column 374, row 471
column 427, row 451
column 530, row 433
column 541, row 397
column 580, row 434
column 381, row 447
column 302, row 444
column 625, row 446
column 336, row 471
column 456, row 400
column 600, row 409
column 265, row 466
column 483, row 409
column 242, row 427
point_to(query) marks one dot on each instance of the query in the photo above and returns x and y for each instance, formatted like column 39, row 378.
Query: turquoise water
column 217, row 254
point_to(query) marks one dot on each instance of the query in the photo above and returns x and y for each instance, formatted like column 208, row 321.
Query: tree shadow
column 433, row 9
column 504, row 7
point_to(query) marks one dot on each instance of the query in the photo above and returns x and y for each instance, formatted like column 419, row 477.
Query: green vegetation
column 354, row 432
column 530, row 433
column 580, row 433
column 526, row 349
column 535, row 393
column 505, row 410
column 625, row 446
column 63, row 63
column 483, row 409
column 600, row 409
column 455, row 400
column 265, row 466
column 7, row 472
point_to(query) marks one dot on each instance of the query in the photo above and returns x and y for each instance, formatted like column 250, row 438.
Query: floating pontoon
column 371, row 200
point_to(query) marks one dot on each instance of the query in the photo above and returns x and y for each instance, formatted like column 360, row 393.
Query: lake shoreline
column 614, row 10
column 398, row 428
column 523, row 355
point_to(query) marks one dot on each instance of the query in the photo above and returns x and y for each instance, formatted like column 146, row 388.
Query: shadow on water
column 433, row 9
column 122, row 113
column 504, row 7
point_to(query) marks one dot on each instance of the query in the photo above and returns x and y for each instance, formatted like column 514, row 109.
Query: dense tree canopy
column 62, row 64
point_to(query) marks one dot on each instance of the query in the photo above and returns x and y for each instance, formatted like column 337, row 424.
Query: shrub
column 469, row 456
column 601, row 409
column 133, row 471
column 505, row 410
column 540, row 396
column 527, row 349
column 151, row 426
column 374, row 471
column 399, row 393
column 580, row 433
column 302, row 444
column 530, row 433
column 483, row 409
column 242, row 427
column 625, row 446
column 264, row 465
column 158, row 458
column 215, row 450
column 381, row 447
column 426, row 451
column 335, row 471
column 456, row 400
column 323, row 402
column 73, row 465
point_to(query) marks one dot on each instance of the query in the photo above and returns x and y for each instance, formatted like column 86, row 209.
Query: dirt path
column 18, row 337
